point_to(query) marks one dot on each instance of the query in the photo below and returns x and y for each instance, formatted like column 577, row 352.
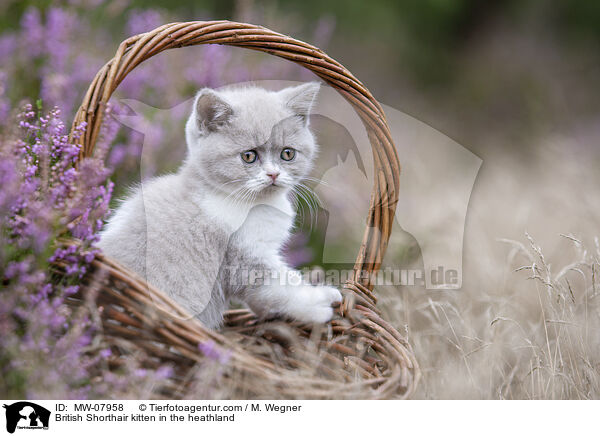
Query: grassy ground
column 526, row 324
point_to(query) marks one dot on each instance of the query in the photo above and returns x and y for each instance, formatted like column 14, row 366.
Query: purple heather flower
column 324, row 30
column 8, row 46
column 164, row 372
column 60, row 26
column 33, row 31
column 208, row 70
column 213, row 352
column 297, row 253
column 91, row 4
column 141, row 21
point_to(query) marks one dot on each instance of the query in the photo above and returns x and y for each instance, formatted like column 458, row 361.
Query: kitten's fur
column 191, row 234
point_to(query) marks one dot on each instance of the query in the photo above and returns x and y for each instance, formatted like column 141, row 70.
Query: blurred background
column 514, row 82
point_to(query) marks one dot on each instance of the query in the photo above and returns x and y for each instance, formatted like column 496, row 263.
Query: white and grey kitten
column 199, row 233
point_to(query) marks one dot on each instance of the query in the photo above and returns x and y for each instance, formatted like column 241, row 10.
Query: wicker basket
column 357, row 355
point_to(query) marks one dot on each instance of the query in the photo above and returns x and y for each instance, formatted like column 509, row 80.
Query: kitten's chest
column 263, row 227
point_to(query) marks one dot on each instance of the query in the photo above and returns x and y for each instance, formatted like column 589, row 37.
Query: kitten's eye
column 249, row 156
column 288, row 154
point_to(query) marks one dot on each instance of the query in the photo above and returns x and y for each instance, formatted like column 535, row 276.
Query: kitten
column 199, row 234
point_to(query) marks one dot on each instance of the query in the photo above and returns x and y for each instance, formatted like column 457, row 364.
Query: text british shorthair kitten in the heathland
column 199, row 233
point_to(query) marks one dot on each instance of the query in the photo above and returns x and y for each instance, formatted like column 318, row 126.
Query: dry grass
column 526, row 323
column 534, row 337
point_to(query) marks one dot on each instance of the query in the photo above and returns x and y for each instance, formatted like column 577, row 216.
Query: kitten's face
column 250, row 142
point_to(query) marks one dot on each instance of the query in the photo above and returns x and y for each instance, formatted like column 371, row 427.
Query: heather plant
column 41, row 200
column 48, row 348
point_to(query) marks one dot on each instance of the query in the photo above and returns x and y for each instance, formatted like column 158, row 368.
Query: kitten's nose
column 273, row 176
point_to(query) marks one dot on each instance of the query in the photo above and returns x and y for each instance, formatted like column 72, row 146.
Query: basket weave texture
column 357, row 355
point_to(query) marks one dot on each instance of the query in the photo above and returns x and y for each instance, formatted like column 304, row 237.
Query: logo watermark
column 25, row 415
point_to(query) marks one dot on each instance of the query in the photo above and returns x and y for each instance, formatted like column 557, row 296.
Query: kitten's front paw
column 316, row 304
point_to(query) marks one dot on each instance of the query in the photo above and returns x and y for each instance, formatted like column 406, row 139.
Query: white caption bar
column 296, row 417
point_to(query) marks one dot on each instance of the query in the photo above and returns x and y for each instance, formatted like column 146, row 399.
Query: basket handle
column 135, row 50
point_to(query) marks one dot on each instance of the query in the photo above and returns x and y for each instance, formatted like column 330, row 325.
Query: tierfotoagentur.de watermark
column 388, row 276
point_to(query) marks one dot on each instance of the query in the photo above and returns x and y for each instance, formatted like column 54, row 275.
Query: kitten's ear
column 300, row 99
column 211, row 111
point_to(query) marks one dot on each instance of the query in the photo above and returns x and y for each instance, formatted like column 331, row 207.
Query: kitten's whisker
column 295, row 201
column 317, row 181
column 297, row 204
column 302, row 195
column 235, row 192
column 254, row 194
column 232, row 181
column 312, row 193
column 312, row 200
column 247, row 195
column 239, row 195
column 244, row 198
